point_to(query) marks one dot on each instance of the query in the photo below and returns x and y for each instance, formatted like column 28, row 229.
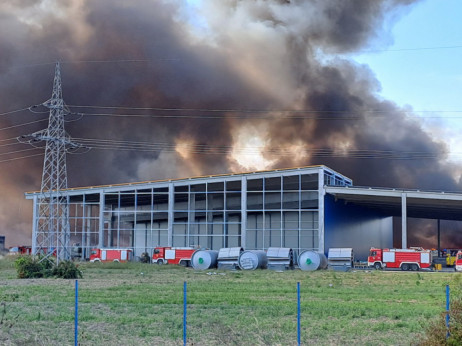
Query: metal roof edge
column 30, row 194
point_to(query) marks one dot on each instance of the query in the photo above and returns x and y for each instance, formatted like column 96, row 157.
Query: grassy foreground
column 142, row 304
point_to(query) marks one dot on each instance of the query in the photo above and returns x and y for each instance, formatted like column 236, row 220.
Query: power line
column 20, row 158
column 120, row 61
column 7, row 145
column 205, row 149
column 408, row 49
column 23, row 124
column 260, row 114
column 116, row 61
column 15, row 111
column 18, row 151
column 224, row 110
column 8, row 139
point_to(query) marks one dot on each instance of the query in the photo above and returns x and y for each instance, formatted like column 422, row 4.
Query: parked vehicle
column 173, row 255
column 459, row 261
column 111, row 255
column 20, row 250
column 406, row 259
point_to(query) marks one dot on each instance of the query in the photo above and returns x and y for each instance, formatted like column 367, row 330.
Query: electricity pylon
column 51, row 230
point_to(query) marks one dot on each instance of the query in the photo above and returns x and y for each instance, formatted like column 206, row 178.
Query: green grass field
column 142, row 304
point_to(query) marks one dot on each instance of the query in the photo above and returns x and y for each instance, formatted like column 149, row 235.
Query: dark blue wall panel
column 348, row 225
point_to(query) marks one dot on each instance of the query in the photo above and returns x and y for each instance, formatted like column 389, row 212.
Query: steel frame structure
column 51, row 232
column 254, row 210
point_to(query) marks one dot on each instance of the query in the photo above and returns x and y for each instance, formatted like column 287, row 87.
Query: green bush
column 67, row 270
column 34, row 267
column 29, row 267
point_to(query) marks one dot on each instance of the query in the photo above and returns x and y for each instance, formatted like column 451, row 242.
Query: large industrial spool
column 204, row 259
column 311, row 260
column 253, row 259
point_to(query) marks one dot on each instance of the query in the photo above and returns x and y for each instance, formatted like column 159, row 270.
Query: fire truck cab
column 173, row 255
column 459, row 261
column 110, row 255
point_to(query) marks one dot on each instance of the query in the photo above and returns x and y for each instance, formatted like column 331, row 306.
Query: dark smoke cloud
column 228, row 54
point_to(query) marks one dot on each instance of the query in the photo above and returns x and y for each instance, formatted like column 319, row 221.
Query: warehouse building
column 307, row 208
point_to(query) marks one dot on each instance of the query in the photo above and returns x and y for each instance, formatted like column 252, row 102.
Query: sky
column 421, row 67
column 175, row 88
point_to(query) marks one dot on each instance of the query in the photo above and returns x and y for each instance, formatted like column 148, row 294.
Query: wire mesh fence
column 127, row 306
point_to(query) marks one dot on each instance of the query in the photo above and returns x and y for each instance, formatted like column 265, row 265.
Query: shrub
column 33, row 267
column 40, row 267
column 437, row 332
column 67, row 270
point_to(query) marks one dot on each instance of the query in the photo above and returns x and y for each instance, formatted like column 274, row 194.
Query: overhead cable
column 15, row 111
column 20, row 158
column 231, row 110
column 251, row 150
column 18, row 151
column 23, row 124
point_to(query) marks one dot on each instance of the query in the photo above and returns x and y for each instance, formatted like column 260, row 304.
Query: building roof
column 140, row 185
column 419, row 204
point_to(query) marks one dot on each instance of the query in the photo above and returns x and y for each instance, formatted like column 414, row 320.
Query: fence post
column 184, row 313
column 298, row 313
column 447, row 311
column 76, row 315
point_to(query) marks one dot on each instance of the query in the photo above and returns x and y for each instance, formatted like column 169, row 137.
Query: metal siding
column 356, row 227
column 140, row 239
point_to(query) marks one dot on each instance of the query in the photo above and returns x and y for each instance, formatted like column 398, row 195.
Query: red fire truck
column 458, row 262
column 173, row 255
column 110, row 255
column 20, row 250
column 406, row 259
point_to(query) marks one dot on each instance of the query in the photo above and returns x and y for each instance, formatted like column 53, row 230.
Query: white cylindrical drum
column 204, row 259
column 253, row 259
column 311, row 260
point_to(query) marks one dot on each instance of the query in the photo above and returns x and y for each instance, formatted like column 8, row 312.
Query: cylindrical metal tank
column 204, row 259
column 253, row 259
column 311, row 260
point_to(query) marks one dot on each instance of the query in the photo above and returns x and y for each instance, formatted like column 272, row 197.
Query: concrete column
column 243, row 211
column 321, row 194
column 439, row 237
column 171, row 205
column 34, row 226
column 101, row 220
column 403, row 220
column 192, row 227
column 86, row 246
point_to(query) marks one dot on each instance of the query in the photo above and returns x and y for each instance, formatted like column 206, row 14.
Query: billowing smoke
column 255, row 84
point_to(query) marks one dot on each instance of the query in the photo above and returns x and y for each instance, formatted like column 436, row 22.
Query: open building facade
column 304, row 208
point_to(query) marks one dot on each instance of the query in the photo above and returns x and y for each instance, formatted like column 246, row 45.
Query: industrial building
column 306, row 208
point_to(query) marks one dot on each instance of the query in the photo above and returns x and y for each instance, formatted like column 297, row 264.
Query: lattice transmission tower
column 51, row 230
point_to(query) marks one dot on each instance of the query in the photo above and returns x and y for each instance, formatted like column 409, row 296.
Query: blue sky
column 427, row 79
column 422, row 66
column 416, row 70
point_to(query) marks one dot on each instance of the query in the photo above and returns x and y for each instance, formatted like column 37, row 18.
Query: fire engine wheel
column 377, row 265
column 404, row 266
column 414, row 267
column 184, row 263
column 160, row 262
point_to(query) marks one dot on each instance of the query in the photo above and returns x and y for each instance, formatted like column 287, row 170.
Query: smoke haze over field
column 223, row 63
